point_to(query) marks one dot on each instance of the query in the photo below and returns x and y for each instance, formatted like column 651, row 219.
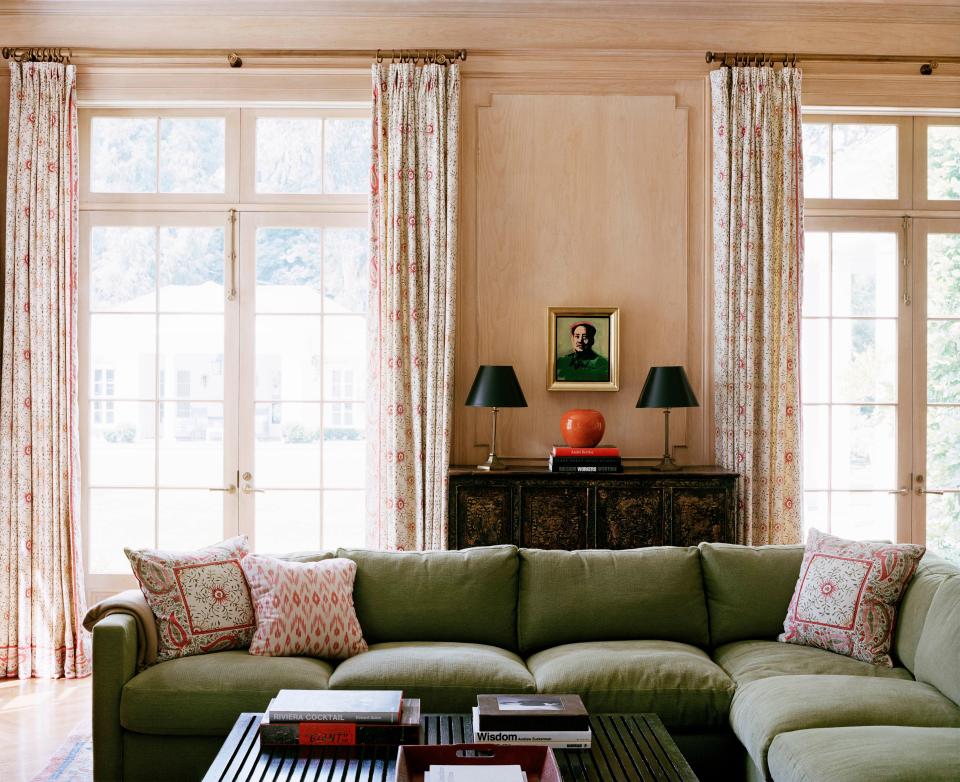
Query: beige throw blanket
column 130, row 602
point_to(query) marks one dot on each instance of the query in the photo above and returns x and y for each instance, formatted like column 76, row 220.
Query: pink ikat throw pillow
column 199, row 598
column 847, row 595
column 304, row 607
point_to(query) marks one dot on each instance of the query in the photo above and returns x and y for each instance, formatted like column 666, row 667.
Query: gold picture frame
column 584, row 348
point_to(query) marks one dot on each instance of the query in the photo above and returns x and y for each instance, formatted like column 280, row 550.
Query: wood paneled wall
column 578, row 200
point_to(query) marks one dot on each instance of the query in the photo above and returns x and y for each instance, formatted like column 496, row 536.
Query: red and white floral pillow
column 304, row 607
column 199, row 598
column 846, row 597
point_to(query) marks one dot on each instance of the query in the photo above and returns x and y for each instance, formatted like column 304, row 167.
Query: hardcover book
column 336, row 706
column 531, row 713
column 558, row 739
column 407, row 731
column 600, row 450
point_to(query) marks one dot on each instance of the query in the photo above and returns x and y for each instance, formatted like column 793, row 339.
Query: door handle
column 920, row 490
column 927, row 491
column 248, row 489
column 231, row 489
column 899, row 491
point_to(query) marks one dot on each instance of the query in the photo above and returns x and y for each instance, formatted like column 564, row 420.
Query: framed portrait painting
column 584, row 349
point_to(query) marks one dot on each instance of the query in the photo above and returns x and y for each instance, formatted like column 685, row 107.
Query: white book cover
column 442, row 773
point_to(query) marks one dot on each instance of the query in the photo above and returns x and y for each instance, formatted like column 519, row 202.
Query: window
column 880, row 367
column 206, row 411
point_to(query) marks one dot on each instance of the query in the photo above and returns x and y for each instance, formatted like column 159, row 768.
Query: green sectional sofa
column 688, row 633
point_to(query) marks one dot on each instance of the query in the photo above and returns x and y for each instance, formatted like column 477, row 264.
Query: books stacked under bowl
column 559, row 721
column 602, row 458
column 341, row 718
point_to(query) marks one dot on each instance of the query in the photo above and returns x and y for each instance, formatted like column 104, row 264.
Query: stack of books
column 558, row 721
column 341, row 718
column 603, row 458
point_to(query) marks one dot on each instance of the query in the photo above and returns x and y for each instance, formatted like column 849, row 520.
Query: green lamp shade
column 667, row 387
column 496, row 386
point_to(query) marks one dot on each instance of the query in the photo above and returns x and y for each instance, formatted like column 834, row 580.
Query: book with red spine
column 344, row 734
column 600, row 450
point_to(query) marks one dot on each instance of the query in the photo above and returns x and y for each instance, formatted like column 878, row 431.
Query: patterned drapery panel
column 758, row 257
column 41, row 571
column 413, row 214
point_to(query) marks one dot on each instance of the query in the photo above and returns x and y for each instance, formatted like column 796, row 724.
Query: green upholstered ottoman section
column 677, row 681
column 635, row 594
column 468, row 595
column 748, row 589
column 203, row 695
column 764, row 709
column 445, row 676
column 915, row 603
column 747, row 661
column 938, row 653
column 878, row 753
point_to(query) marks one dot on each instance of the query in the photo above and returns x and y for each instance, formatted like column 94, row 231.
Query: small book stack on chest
column 600, row 459
column 341, row 718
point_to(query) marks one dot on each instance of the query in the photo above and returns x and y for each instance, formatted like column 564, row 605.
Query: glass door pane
column 850, row 377
column 303, row 381
column 159, row 444
column 939, row 491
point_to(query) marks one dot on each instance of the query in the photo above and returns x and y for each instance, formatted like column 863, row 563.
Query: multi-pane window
column 211, row 330
column 880, row 364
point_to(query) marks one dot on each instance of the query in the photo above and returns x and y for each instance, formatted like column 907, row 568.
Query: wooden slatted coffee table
column 626, row 748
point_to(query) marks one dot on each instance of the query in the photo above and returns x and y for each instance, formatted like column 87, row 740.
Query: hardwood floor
column 36, row 716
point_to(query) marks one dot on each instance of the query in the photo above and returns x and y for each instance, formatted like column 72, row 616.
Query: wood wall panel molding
column 150, row 29
column 571, row 199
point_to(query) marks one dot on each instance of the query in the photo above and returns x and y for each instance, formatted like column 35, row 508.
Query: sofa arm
column 114, row 664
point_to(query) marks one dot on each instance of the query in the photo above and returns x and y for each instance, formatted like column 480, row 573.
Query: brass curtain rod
column 726, row 59
column 233, row 57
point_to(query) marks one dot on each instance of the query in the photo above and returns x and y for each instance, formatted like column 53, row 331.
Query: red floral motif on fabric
column 758, row 258
column 199, row 598
column 847, row 595
column 304, row 607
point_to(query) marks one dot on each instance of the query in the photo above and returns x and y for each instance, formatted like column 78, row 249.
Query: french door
column 933, row 488
column 881, row 378
column 224, row 376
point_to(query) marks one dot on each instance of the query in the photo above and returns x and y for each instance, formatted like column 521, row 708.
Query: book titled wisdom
column 342, row 734
column 558, row 739
column 336, row 706
column 547, row 713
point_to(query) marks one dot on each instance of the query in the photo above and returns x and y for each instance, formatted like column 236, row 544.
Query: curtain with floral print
column 41, row 571
column 758, row 258
column 413, row 213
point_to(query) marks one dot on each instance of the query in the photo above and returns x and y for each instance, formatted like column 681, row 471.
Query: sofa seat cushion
column 765, row 708
column 445, row 676
column 880, row 753
column 747, row 661
column 677, row 681
column 203, row 695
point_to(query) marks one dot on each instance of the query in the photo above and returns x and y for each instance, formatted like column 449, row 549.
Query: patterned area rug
column 73, row 761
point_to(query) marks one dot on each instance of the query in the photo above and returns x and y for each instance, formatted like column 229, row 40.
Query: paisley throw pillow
column 199, row 598
column 847, row 595
column 304, row 607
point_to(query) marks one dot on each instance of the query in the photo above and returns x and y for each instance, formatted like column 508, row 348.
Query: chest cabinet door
column 629, row 516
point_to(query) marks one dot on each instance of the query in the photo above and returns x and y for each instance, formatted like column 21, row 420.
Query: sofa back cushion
column 468, row 595
column 915, row 604
column 748, row 589
column 938, row 652
column 598, row 595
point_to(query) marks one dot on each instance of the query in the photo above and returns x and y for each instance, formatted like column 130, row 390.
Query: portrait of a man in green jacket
column 584, row 363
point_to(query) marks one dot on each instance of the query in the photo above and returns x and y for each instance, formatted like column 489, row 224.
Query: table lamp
column 667, row 387
column 496, row 387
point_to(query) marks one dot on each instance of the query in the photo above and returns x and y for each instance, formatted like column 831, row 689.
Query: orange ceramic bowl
column 582, row 428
